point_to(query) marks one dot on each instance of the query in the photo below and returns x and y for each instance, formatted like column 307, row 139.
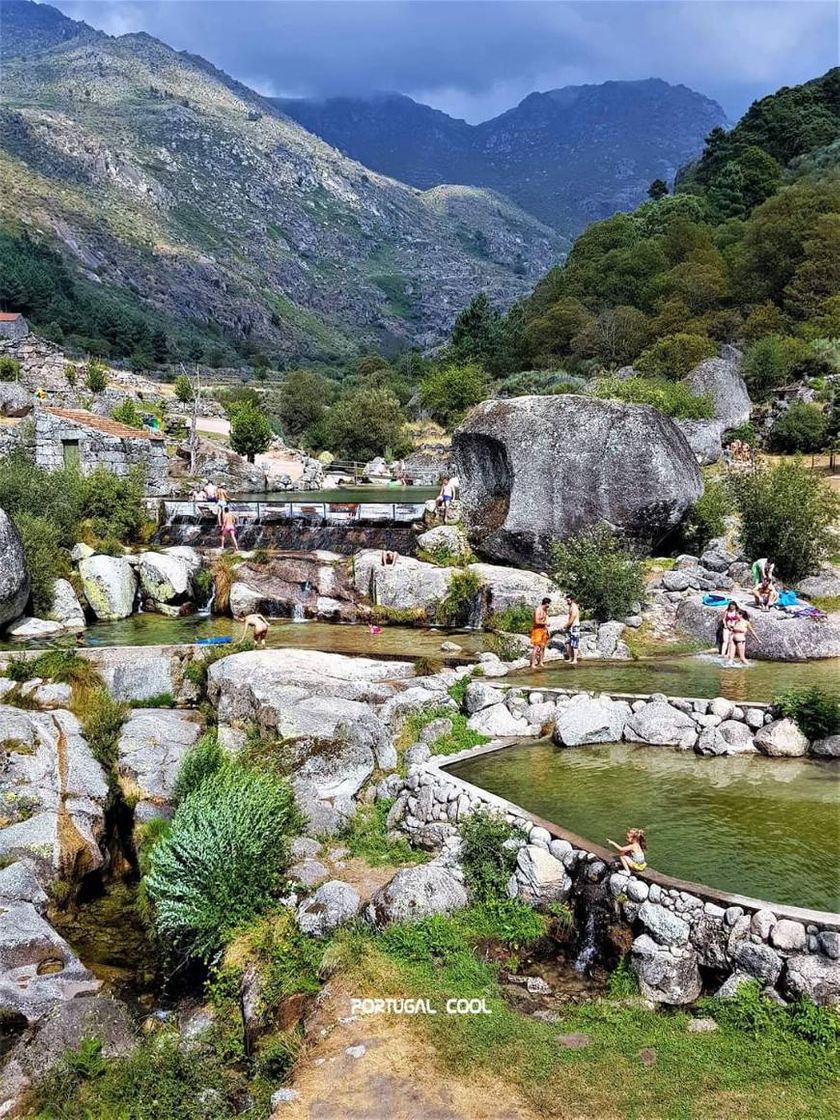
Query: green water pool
column 698, row 675
column 765, row 828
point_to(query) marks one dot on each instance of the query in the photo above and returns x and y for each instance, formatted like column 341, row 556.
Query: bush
column 250, row 431
column 9, row 368
column 183, row 389
column 487, row 863
column 205, row 757
column 675, row 355
column 224, row 857
column 817, row 713
column 771, row 361
column 512, row 620
column 96, row 380
column 751, row 1011
column 362, row 424
column 600, row 571
column 127, row 413
column 706, row 519
column 803, row 427
column 448, row 392
column 457, row 606
column 112, row 505
column 45, row 560
column 673, row 398
column 787, row 513
column 102, row 718
column 55, row 496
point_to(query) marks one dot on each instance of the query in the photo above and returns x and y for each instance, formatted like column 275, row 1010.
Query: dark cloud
column 475, row 59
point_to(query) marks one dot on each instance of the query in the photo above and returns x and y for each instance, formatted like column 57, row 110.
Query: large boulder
column 15, row 400
column 224, row 467
column 720, row 379
column 110, row 586
column 66, row 609
column 137, row 673
column 446, row 539
column 825, row 584
column 415, row 893
column 408, row 584
column 704, row 439
column 164, row 578
column 667, row 975
column 314, row 583
column 511, row 587
column 332, row 904
column 591, row 719
column 659, row 724
column 781, row 739
column 535, row 469
column 542, row 877
column 781, row 638
column 151, row 745
column 815, row 976
column 54, row 794
column 14, row 578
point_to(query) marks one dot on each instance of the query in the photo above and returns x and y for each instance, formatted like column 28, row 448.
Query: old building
column 13, row 325
column 71, row 437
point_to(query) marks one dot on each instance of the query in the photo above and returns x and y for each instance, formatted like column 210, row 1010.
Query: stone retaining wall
column 686, row 936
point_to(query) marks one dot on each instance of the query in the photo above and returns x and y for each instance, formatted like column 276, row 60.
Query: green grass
column 773, row 1071
column 366, row 837
column 460, row 738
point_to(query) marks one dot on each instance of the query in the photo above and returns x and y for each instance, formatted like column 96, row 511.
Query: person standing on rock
column 741, row 627
column 572, row 629
column 539, row 634
column 228, row 527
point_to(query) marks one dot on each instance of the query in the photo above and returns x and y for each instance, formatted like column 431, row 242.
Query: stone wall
column 685, row 938
column 118, row 453
column 41, row 363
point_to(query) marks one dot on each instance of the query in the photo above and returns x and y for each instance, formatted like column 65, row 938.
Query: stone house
column 13, row 325
column 72, row 437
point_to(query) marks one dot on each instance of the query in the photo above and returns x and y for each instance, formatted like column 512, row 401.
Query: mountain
column 569, row 156
column 162, row 179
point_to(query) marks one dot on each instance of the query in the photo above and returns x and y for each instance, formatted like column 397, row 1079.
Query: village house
column 67, row 437
column 13, row 325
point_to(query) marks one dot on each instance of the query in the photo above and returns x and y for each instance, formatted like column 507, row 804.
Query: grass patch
column 366, row 836
column 457, row 605
column 161, row 700
column 460, row 738
column 102, row 718
column 828, row 603
column 398, row 616
column 512, row 620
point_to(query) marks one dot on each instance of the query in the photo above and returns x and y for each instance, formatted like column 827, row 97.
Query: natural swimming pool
column 766, row 828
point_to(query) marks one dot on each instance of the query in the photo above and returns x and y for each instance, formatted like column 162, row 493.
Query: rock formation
column 536, row 469
column 14, row 578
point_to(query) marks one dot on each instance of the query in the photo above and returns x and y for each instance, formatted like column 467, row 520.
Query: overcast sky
column 474, row 59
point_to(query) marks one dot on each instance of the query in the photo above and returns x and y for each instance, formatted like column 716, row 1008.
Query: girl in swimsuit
column 728, row 619
column 632, row 854
column 740, row 629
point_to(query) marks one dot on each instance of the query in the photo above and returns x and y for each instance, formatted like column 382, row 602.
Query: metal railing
column 310, row 513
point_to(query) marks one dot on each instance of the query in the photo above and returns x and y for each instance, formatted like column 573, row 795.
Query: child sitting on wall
column 632, row 854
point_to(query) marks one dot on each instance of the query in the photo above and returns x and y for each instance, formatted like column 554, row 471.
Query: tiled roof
column 9, row 316
column 102, row 424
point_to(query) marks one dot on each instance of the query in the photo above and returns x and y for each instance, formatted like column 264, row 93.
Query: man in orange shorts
column 539, row 634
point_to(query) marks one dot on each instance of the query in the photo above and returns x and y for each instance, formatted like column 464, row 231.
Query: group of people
column 738, row 451
column 218, row 497
column 540, row 633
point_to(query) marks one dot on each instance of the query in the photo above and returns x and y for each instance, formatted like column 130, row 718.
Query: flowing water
column 150, row 629
column 766, row 828
column 700, row 675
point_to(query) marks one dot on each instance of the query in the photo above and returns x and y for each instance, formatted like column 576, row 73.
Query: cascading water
column 207, row 609
column 298, row 613
column 594, row 914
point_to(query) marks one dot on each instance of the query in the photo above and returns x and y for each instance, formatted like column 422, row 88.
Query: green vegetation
column 222, row 860
column 9, row 368
column 205, row 757
column 488, row 854
column 96, row 380
column 183, row 389
column 457, row 605
column 817, row 713
column 46, row 561
column 460, row 738
column 675, row 355
column 127, row 413
column 787, row 512
column 512, row 620
column 102, row 718
column 600, row 571
column 803, row 428
column 250, row 431
column 303, row 397
column 363, row 423
column 706, row 519
column 449, row 391
column 671, row 397
column 366, row 837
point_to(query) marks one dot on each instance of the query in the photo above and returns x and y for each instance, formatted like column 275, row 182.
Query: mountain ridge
column 589, row 149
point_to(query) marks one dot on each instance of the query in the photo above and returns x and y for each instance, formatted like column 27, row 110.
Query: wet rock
column 332, row 904
column 814, row 976
column 591, row 720
column 415, row 893
column 781, row 739
column 524, row 482
column 14, row 578
column 151, row 746
column 110, row 586
column 827, row 748
column 661, row 725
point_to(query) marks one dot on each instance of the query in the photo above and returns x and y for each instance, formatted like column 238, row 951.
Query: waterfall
column 298, row 614
column 207, row 609
column 593, row 911
column 478, row 609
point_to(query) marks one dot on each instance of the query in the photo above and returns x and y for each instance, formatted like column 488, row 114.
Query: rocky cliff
column 160, row 175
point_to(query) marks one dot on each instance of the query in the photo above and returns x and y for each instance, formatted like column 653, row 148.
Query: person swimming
column 632, row 854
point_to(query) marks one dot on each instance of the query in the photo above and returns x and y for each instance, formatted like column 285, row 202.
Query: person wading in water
column 539, row 634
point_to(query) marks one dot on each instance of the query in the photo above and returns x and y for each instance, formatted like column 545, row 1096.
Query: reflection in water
column 767, row 828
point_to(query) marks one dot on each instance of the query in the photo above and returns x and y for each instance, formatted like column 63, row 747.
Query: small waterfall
column 594, row 913
column 207, row 609
column 298, row 613
column 478, row 610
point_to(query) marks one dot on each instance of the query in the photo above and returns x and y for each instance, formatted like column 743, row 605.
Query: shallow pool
column 699, row 675
column 766, row 828
column 150, row 629
column 402, row 495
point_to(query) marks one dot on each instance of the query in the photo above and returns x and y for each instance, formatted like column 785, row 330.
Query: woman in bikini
column 740, row 629
column 727, row 620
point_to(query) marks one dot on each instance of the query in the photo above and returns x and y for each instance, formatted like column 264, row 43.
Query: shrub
column 55, row 496
column 45, row 559
column 622, row 982
column 448, row 392
column 751, row 1011
column 787, row 513
column 771, row 361
column 66, row 667
column 222, row 860
column 706, row 519
column 9, row 368
column 127, row 413
column 457, row 606
column 205, row 757
column 96, row 380
column 600, row 571
column 817, row 713
column 250, row 431
column 488, row 863
column 512, row 620
column 675, row 355
column 112, row 505
column 673, row 398
column 803, row 427
column 183, row 388
column 102, row 719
